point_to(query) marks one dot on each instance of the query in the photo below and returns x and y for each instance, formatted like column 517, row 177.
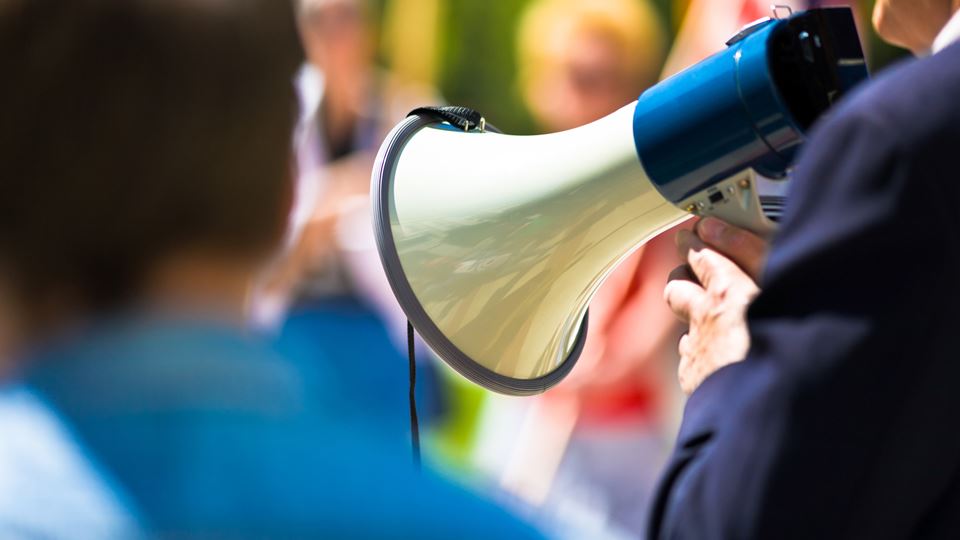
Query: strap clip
column 463, row 118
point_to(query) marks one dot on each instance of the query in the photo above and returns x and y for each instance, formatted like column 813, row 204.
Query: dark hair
column 133, row 128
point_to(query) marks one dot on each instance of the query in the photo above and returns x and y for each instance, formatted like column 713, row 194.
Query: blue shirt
column 211, row 432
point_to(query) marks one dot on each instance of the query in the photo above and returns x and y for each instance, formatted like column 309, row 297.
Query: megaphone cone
column 502, row 240
column 494, row 244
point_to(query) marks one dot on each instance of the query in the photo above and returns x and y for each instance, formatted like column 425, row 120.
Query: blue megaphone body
column 747, row 107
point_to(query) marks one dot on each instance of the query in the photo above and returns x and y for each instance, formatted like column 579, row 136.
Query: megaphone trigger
column 737, row 201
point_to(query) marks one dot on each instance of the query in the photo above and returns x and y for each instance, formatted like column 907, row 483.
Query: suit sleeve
column 780, row 445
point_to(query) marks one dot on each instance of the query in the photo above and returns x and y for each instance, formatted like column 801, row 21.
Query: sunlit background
column 467, row 49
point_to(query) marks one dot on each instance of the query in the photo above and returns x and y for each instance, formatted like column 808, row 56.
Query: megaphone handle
column 735, row 200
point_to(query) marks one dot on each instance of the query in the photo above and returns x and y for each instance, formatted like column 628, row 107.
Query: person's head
column 139, row 135
column 337, row 35
column 580, row 60
column 912, row 24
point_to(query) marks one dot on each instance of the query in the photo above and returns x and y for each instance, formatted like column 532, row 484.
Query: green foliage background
column 477, row 64
column 477, row 55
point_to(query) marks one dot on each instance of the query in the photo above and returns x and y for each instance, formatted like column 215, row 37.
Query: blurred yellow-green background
column 466, row 48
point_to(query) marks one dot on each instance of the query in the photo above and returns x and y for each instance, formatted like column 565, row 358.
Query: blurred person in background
column 590, row 449
column 43, row 465
column 708, row 24
column 330, row 299
column 146, row 186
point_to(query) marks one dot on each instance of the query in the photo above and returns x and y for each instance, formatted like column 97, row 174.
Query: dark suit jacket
column 844, row 420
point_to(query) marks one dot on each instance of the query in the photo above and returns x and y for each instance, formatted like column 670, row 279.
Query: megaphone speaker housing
column 384, row 223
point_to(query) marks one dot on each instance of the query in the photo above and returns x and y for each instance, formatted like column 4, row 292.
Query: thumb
column 746, row 249
column 715, row 271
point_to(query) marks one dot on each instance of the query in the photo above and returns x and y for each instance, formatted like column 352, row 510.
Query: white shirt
column 949, row 35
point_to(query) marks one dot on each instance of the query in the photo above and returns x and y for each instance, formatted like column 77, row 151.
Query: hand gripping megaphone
column 494, row 244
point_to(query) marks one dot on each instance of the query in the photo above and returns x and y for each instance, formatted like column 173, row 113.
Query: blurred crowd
column 195, row 329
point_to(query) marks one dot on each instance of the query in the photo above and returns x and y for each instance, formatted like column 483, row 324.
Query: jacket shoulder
column 912, row 104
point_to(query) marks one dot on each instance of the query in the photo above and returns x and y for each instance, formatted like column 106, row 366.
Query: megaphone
column 494, row 244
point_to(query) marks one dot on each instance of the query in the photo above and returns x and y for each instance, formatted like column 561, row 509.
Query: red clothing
column 632, row 332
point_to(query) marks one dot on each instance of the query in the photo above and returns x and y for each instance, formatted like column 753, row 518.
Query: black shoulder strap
column 466, row 119
column 463, row 118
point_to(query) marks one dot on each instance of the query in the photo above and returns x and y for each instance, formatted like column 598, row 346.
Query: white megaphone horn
column 494, row 244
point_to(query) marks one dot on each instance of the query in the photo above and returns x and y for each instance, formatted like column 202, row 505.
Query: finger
column 685, row 347
column 681, row 296
column 716, row 271
column 682, row 272
column 690, row 245
column 743, row 247
column 683, row 239
column 686, row 367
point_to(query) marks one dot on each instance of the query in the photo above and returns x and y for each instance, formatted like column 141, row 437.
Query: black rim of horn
column 383, row 171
